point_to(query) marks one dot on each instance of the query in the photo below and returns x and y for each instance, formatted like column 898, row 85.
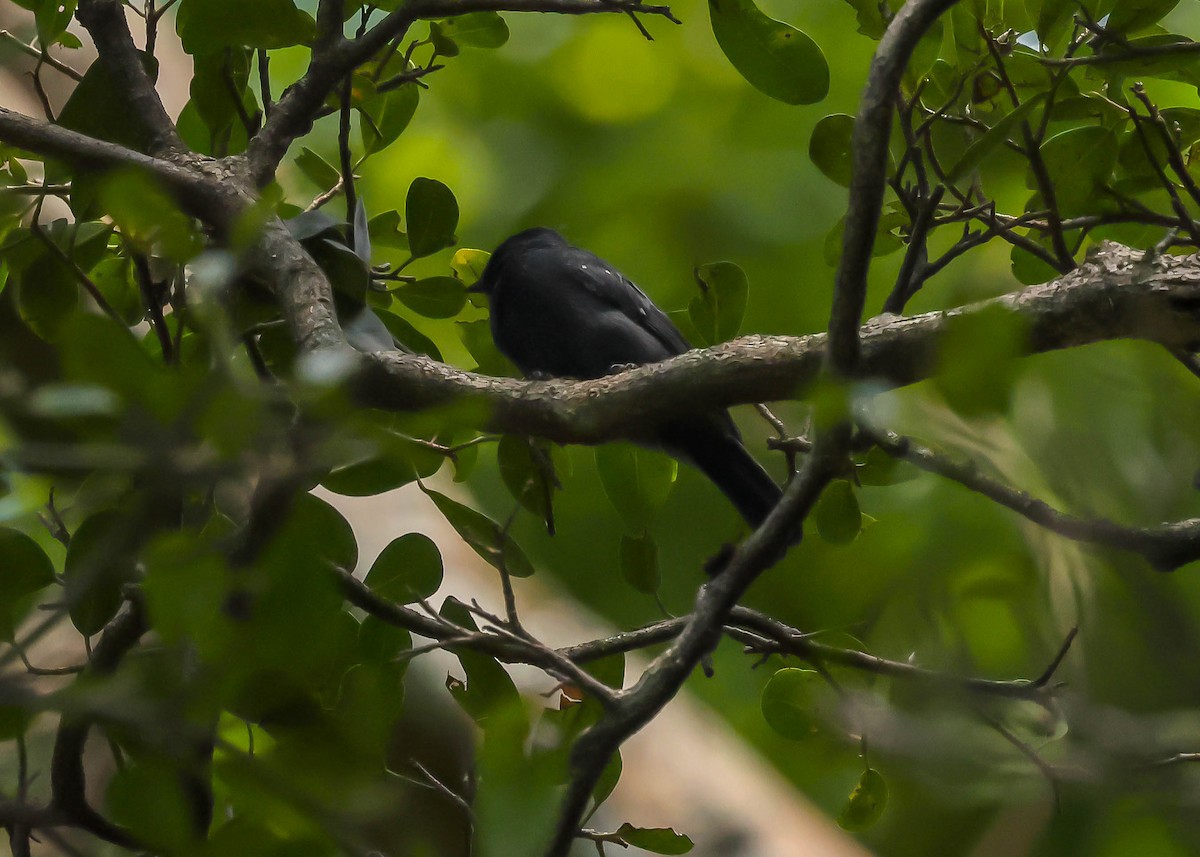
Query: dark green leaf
column 636, row 481
column 717, row 311
column 1079, row 162
column 148, row 798
column 838, row 518
column 24, row 566
column 829, row 147
column 98, row 566
column 432, row 215
column 657, row 840
column 484, row 535
column 476, row 29
column 879, row 468
column 777, row 59
column 205, row 26
column 870, row 18
column 789, row 700
column 608, row 780
column 317, row 170
column 528, row 473
column 639, row 563
column 317, row 525
column 977, row 365
column 409, row 336
column 992, row 139
column 409, row 569
column 1129, row 16
column 385, row 116
column 433, row 297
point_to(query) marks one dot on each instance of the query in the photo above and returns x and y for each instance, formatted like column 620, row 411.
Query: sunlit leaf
column 866, row 803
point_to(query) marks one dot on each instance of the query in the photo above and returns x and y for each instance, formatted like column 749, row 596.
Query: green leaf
column 385, row 116
column 148, row 216
column 777, row 59
column 476, row 29
column 317, row 525
column 1129, row 16
column 837, row 515
column 639, row 563
column 484, row 535
column 879, row 468
column 205, row 26
column 717, row 311
column 489, row 689
column 866, row 803
column 636, row 481
column 219, row 86
column 53, row 18
column 788, row 702
column 886, row 241
column 148, row 798
column 114, row 279
column 829, row 147
column 977, row 361
column 477, row 337
column 385, row 231
column 97, row 567
column 319, row 171
column 409, row 336
column 47, row 293
column 870, row 18
column 433, row 297
column 1079, row 162
column 528, row 474
column 409, row 569
column 608, row 779
column 992, row 139
column 432, row 215
column 381, row 642
column 98, row 108
column 24, row 566
column 657, row 840
column 467, row 265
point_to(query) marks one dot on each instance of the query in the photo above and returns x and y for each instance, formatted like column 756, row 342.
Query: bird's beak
column 478, row 289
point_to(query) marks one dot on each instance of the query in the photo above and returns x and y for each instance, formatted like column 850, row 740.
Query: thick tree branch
column 198, row 193
column 105, row 21
column 1114, row 296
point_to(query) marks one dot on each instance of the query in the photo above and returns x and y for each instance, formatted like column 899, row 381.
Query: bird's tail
column 719, row 454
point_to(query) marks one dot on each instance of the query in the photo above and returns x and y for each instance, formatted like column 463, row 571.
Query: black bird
column 560, row 311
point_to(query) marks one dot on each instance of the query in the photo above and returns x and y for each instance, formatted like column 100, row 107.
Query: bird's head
column 510, row 248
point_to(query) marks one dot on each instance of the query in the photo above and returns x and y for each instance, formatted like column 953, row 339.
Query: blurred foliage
column 159, row 433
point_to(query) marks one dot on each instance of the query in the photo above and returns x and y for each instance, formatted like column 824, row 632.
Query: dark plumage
column 561, row 311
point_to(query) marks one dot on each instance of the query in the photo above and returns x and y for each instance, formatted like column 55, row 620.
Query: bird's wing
column 611, row 287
